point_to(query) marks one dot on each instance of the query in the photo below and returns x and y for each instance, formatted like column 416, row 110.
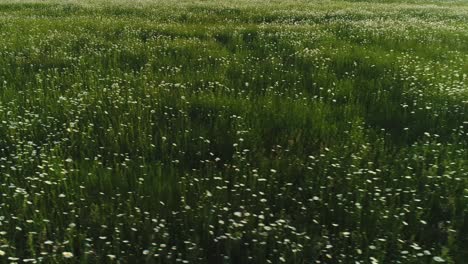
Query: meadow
column 233, row 131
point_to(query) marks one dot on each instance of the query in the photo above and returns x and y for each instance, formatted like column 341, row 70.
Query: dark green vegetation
column 233, row 132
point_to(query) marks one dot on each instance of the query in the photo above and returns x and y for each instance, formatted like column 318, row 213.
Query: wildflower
column 67, row 254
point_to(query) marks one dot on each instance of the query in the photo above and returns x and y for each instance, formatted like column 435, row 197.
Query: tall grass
column 233, row 132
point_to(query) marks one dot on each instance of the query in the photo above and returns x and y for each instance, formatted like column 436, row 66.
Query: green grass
column 234, row 131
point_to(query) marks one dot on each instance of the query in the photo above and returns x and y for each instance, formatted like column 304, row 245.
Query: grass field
column 233, row 131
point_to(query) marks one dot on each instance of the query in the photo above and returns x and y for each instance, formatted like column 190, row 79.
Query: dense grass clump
column 233, row 131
